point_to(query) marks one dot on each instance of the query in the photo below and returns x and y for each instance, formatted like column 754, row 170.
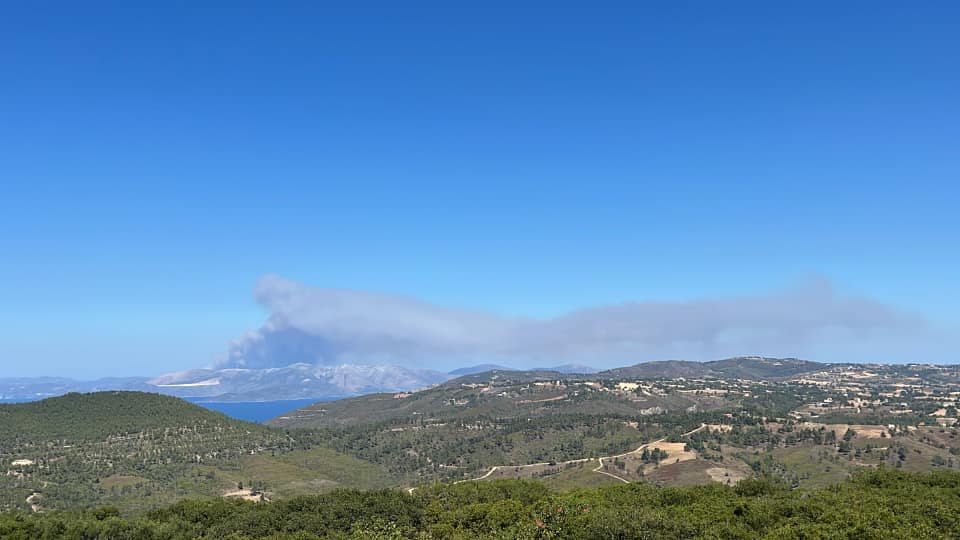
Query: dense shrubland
column 880, row 503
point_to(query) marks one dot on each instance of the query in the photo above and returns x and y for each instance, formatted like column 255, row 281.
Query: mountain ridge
column 311, row 381
column 296, row 381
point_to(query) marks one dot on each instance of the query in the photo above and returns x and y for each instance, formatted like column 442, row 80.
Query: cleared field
column 578, row 477
column 684, row 473
column 675, row 454
column 726, row 475
column 247, row 495
column 862, row 431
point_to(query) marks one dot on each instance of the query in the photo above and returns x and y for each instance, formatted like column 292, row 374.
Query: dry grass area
column 247, row 495
column 524, row 471
column 705, row 392
column 698, row 472
column 725, row 475
column 544, row 400
column 681, row 467
column 675, row 451
column 533, row 470
column 862, row 431
column 675, row 454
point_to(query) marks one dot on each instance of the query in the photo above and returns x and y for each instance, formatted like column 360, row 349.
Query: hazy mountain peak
column 479, row 368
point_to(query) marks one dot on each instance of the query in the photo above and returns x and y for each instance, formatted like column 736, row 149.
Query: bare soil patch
column 247, row 495
column 725, row 475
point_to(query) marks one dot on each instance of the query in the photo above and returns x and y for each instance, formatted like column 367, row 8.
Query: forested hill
column 87, row 417
column 138, row 451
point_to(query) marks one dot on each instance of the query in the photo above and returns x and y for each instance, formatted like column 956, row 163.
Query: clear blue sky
column 157, row 160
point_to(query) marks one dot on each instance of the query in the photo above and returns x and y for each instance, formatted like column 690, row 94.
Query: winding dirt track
column 598, row 469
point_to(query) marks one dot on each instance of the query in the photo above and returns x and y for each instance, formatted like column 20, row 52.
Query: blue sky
column 156, row 161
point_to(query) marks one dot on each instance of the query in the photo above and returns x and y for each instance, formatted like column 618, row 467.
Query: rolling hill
column 479, row 368
column 459, row 429
column 139, row 450
column 96, row 416
column 667, row 422
column 504, row 393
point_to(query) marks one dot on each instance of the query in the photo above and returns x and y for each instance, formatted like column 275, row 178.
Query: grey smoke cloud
column 331, row 326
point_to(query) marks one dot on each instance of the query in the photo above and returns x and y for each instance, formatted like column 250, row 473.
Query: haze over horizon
column 441, row 185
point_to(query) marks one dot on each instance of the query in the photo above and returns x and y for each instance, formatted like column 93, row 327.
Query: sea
column 256, row 411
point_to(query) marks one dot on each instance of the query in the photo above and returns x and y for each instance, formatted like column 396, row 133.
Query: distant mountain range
column 571, row 369
column 479, row 368
column 741, row 367
column 310, row 381
column 565, row 368
column 298, row 381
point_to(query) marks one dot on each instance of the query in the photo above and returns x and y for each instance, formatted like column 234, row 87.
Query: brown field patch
column 725, row 475
column 675, row 451
column 862, row 431
column 247, row 495
column 686, row 473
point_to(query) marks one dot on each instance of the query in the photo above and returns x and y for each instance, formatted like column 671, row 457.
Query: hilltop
column 479, row 368
column 482, row 368
column 96, row 416
column 755, row 368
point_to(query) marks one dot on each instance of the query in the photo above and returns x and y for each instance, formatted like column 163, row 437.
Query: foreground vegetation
column 880, row 503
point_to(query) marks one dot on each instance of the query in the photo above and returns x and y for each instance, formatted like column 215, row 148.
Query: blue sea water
column 257, row 411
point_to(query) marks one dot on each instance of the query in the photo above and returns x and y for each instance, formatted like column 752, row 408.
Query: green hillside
column 808, row 424
column 95, row 416
column 139, row 450
column 495, row 394
column 460, row 429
